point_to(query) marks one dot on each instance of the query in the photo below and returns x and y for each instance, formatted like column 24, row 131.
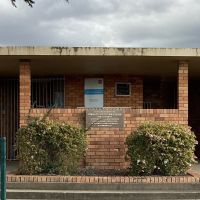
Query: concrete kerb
column 102, row 186
column 106, row 195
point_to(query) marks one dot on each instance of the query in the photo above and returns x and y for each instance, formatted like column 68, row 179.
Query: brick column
column 24, row 91
column 183, row 91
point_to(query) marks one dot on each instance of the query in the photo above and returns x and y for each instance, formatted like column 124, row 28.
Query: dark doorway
column 9, row 113
column 160, row 93
column 194, row 111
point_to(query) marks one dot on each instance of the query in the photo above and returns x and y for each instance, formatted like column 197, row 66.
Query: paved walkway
column 12, row 167
column 196, row 168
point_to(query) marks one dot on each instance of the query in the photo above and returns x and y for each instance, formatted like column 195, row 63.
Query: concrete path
column 12, row 167
column 196, row 168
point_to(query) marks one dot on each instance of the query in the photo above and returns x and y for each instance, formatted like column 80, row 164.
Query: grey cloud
column 141, row 23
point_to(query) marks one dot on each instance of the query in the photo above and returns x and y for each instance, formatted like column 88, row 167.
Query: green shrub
column 49, row 147
column 161, row 148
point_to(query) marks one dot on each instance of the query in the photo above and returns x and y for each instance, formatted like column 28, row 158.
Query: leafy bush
column 49, row 147
column 161, row 148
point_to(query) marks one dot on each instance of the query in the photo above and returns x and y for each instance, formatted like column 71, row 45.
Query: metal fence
column 3, row 167
column 47, row 92
column 9, row 113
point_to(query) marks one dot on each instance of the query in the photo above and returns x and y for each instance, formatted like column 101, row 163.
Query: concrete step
column 101, row 186
column 91, row 191
column 102, row 195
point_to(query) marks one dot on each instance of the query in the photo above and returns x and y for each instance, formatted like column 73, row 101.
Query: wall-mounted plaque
column 104, row 118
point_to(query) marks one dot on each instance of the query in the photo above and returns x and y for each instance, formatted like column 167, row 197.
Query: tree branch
column 29, row 2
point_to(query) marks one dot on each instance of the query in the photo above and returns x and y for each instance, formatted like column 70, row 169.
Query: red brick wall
column 74, row 91
column 135, row 100
column 183, row 89
column 106, row 148
column 24, row 91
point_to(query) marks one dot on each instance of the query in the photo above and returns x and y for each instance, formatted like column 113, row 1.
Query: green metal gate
column 3, row 167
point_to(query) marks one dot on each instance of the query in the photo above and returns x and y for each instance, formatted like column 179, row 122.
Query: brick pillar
column 183, row 91
column 24, row 91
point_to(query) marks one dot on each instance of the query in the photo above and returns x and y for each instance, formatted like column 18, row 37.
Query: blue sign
column 93, row 91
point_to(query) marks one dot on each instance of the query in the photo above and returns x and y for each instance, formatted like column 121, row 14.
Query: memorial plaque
column 104, row 118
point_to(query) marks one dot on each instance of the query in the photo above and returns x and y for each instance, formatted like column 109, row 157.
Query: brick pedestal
column 183, row 91
column 25, row 91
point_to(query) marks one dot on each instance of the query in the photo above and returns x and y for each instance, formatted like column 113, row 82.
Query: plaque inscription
column 104, row 118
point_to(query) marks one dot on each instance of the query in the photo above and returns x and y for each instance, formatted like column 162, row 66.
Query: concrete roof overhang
column 91, row 60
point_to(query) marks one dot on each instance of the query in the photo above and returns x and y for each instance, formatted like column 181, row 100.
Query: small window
column 123, row 89
column 47, row 92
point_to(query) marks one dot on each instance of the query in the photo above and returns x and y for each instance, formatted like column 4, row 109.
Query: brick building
column 126, row 86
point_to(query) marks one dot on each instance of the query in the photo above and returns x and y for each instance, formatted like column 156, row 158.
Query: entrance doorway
column 9, row 113
column 194, row 111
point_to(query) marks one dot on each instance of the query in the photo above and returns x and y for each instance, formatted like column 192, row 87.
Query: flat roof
column 99, row 60
column 97, row 51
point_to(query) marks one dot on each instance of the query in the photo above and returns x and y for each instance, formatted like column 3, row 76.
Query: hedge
column 161, row 148
column 49, row 147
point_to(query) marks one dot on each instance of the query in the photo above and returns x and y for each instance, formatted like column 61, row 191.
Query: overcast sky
column 110, row 23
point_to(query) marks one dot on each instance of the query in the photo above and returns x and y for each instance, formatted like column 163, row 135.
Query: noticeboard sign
column 104, row 118
column 93, row 92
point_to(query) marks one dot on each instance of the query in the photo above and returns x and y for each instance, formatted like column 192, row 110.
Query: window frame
column 36, row 80
column 123, row 95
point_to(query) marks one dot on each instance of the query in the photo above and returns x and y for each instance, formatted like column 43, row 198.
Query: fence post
column 3, row 168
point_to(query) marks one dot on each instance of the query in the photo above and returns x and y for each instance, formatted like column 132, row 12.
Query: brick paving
column 105, row 179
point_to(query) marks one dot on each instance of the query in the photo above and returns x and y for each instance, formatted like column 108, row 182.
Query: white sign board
column 93, row 91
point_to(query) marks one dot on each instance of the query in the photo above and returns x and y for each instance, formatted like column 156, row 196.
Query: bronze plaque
column 104, row 118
